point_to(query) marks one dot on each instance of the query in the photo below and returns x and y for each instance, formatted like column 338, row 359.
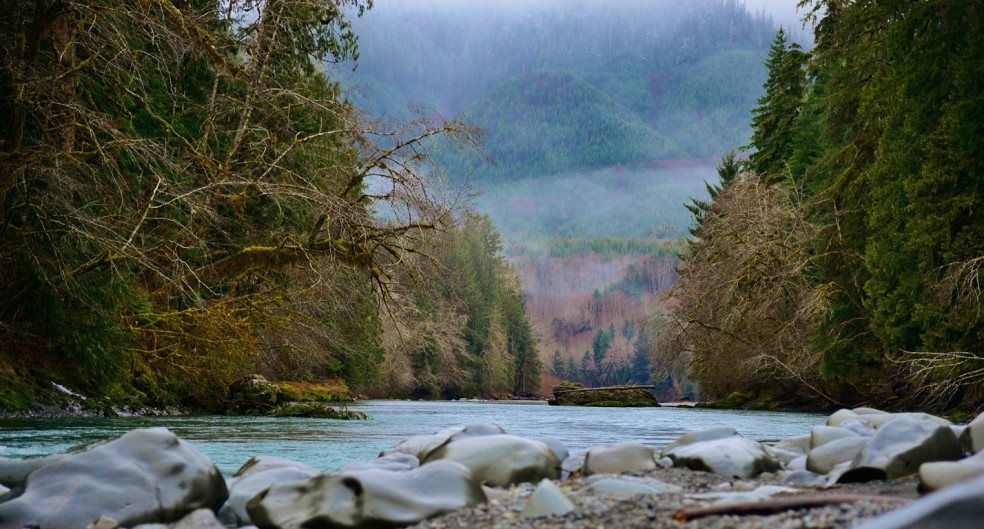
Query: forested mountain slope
column 602, row 119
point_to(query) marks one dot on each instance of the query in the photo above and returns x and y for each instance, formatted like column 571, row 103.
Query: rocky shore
column 863, row 468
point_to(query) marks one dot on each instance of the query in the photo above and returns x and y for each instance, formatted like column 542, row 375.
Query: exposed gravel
column 612, row 511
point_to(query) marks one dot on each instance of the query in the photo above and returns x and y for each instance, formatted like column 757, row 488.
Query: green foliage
column 881, row 138
column 475, row 339
column 557, row 365
column 728, row 170
column 610, row 247
column 774, row 119
column 550, row 122
column 600, row 343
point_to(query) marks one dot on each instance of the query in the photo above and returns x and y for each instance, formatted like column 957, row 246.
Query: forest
column 601, row 123
column 188, row 195
column 839, row 264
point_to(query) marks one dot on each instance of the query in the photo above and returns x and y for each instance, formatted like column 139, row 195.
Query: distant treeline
column 609, row 247
column 844, row 267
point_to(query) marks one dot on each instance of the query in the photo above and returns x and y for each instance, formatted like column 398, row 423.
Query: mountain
column 549, row 122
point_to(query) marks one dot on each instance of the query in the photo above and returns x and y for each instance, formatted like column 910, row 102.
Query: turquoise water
column 325, row 444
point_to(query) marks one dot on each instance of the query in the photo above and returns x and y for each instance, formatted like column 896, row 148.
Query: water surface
column 324, row 444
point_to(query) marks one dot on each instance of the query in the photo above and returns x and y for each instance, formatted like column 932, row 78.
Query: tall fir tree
column 773, row 121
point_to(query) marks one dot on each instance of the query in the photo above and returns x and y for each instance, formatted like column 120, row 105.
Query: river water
column 324, row 444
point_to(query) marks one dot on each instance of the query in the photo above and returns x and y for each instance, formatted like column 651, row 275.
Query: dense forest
column 840, row 263
column 187, row 195
column 601, row 120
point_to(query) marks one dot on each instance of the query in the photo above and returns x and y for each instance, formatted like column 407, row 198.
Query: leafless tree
column 740, row 316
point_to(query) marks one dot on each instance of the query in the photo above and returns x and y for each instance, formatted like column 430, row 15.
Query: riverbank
column 697, row 490
column 484, row 476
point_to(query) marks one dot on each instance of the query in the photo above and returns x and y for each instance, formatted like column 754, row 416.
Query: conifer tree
column 728, row 170
column 773, row 121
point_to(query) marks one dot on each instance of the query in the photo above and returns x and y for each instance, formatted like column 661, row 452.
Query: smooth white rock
column 972, row 436
column 618, row 458
column 501, row 460
column 824, row 458
column 958, row 507
column 546, row 500
column 840, row 415
column 822, row 435
column 709, row 434
column 799, row 444
column 731, row 456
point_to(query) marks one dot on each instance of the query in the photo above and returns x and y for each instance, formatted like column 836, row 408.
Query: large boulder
column 421, row 446
column 822, row 435
column 615, row 397
column 500, row 460
column 824, row 458
column 15, row 470
column 730, row 456
column 255, row 476
column 972, row 437
column 146, row 475
column 708, row 434
column 958, row 507
column 261, row 463
column 840, row 416
column 800, row 445
column 880, row 419
column 253, row 394
column 900, row 446
column 936, row 475
column 395, row 462
column 618, row 458
column 558, row 447
column 368, row 499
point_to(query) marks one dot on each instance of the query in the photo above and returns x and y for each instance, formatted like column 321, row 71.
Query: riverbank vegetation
column 844, row 266
column 187, row 196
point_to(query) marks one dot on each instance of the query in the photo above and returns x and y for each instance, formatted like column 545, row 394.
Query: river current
column 324, row 444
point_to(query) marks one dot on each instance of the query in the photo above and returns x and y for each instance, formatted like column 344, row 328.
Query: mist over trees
column 602, row 120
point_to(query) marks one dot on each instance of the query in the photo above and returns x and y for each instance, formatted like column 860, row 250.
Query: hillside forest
column 601, row 124
column 839, row 264
column 188, row 195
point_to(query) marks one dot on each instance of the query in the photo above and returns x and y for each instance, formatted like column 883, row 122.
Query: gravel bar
column 622, row 511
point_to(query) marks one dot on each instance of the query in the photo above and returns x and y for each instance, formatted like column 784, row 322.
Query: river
column 325, row 444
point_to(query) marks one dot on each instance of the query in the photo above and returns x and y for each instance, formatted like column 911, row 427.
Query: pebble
column 655, row 511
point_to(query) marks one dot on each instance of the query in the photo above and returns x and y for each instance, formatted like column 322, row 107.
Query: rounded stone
column 500, row 460
column 618, row 458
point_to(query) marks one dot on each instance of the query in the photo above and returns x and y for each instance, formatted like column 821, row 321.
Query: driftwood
column 780, row 505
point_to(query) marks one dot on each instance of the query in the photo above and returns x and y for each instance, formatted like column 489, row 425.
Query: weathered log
column 780, row 505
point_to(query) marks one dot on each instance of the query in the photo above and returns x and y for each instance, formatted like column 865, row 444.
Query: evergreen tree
column 571, row 371
column 600, row 343
column 728, row 170
column 773, row 121
column 629, row 330
column 587, row 369
column 557, row 366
